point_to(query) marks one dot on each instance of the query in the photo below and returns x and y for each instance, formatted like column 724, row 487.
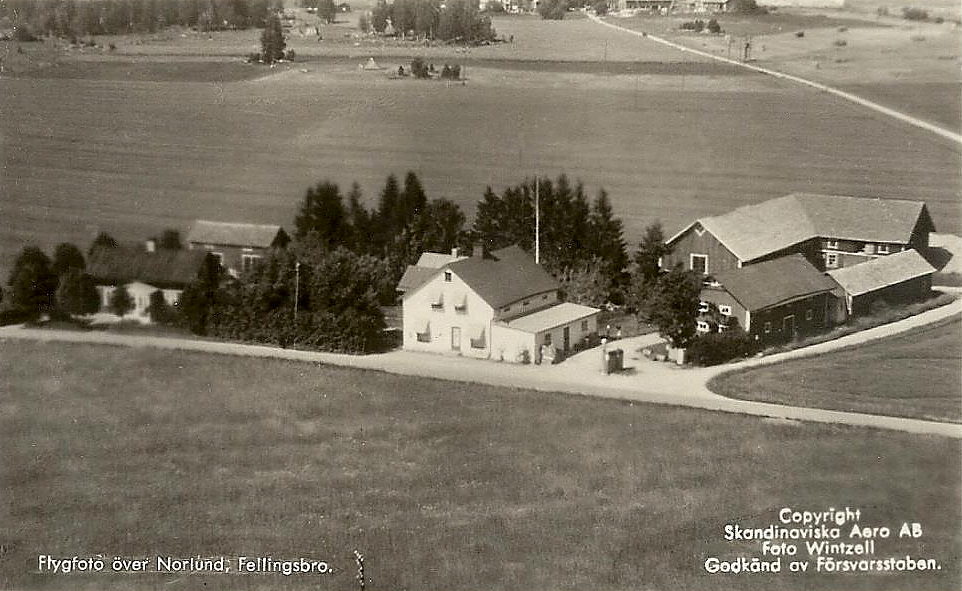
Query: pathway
column 905, row 118
column 644, row 381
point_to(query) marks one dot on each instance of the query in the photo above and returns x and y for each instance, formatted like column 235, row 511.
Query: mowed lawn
column 916, row 374
column 139, row 452
column 134, row 156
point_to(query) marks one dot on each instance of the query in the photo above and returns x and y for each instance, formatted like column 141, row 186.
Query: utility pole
column 297, row 287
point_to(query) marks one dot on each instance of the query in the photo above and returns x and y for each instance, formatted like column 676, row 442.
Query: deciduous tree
column 32, row 283
column 673, row 306
column 120, row 301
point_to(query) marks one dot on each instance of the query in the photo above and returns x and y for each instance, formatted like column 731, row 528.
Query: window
column 702, row 326
column 438, row 302
column 544, row 297
column 219, row 256
column 584, row 326
column 831, row 244
column 547, row 338
column 809, row 314
column 704, row 307
column 699, row 263
column 447, row 276
column 462, row 306
column 768, row 327
column 424, row 337
column 477, row 338
column 883, row 249
column 831, row 260
column 725, row 310
column 248, row 261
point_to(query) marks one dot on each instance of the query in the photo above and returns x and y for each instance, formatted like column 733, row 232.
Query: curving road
column 644, row 381
column 905, row 118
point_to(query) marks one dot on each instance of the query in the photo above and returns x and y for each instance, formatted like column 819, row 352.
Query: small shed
column 899, row 278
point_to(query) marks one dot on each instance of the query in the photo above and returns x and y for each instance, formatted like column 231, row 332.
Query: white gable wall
column 140, row 294
column 450, row 329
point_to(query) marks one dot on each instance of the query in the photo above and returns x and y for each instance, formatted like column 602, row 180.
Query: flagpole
column 537, row 224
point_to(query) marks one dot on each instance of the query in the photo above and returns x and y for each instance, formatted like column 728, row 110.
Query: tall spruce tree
column 272, row 40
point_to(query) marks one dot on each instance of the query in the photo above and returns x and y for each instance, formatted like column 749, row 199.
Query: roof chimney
column 150, row 245
column 454, row 252
column 477, row 251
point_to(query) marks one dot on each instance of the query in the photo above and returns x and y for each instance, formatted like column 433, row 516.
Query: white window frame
column 703, row 307
column 248, row 261
column 725, row 310
column 691, row 262
column 833, row 244
column 702, row 326
column 882, row 248
column 809, row 314
column 831, row 260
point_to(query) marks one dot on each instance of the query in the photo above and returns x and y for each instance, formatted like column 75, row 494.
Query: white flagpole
column 537, row 224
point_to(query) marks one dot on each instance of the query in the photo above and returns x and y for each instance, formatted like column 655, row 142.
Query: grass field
column 134, row 156
column 138, row 452
column 915, row 374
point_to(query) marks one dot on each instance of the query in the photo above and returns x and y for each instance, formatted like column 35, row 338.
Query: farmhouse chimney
column 454, row 252
column 477, row 251
column 150, row 245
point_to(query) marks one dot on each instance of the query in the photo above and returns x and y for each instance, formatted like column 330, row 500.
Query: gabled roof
column 234, row 234
column 163, row 268
column 881, row 272
column 415, row 277
column 551, row 317
column 774, row 282
column 428, row 264
column 504, row 276
column 757, row 230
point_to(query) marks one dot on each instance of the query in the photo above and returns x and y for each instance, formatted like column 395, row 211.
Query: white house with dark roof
column 499, row 306
column 238, row 246
column 831, row 231
column 142, row 272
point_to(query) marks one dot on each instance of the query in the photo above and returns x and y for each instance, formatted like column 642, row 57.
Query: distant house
column 897, row 279
column 661, row 6
column 774, row 301
column 496, row 306
column 142, row 272
column 238, row 247
column 830, row 231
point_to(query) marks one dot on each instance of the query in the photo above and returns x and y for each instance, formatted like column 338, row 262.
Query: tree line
column 74, row 18
column 327, row 288
column 450, row 20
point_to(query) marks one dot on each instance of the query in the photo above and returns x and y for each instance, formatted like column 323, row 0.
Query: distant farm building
column 803, row 3
column 238, row 247
column 774, row 301
column 799, row 264
column 498, row 305
column 830, row 231
column 671, row 6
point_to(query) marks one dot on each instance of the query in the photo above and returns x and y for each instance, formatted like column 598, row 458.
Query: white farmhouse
column 499, row 306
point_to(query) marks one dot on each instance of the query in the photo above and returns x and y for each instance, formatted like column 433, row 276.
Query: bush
column 720, row 347
column 120, row 301
column 939, row 20
column 697, row 25
column 800, row 34
column 713, row 27
column 23, row 34
column 419, row 69
column 914, row 14
column 601, row 7
column 841, row 43
column 493, row 7
column 13, row 316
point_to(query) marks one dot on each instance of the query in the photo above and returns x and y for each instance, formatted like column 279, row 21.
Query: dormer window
column 883, row 249
column 447, row 276
column 833, row 244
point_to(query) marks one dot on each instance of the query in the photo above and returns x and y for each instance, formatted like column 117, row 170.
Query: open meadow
column 139, row 452
column 124, row 146
column 915, row 374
